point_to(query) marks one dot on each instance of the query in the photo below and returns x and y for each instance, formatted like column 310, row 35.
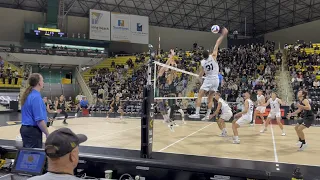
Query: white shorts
column 274, row 115
column 226, row 116
column 261, row 109
column 244, row 120
column 210, row 85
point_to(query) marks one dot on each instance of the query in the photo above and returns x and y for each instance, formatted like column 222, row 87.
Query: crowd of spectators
column 248, row 67
column 6, row 73
column 305, row 71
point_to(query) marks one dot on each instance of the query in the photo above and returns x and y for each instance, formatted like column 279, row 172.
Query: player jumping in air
column 209, row 67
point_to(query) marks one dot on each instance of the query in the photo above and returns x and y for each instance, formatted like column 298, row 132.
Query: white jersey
column 259, row 99
column 250, row 109
column 210, row 67
column 275, row 105
column 224, row 106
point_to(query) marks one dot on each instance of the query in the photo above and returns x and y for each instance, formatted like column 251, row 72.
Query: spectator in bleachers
column 316, row 83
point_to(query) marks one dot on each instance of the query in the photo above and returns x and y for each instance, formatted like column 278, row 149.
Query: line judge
column 33, row 113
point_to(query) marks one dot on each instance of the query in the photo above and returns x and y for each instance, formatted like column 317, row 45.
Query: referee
column 33, row 113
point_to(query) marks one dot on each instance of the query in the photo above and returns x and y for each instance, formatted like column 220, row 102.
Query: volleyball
column 215, row 29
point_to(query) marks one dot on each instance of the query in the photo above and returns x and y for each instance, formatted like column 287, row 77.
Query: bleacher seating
column 308, row 65
column 4, row 82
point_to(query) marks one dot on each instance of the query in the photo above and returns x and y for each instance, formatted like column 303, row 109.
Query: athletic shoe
column 175, row 124
column 65, row 122
column 223, row 135
column 299, row 143
column 171, row 127
column 206, row 118
column 236, row 141
column 76, row 115
column 183, row 121
column 283, row 134
column 89, row 115
column 263, row 130
column 303, row 146
column 194, row 116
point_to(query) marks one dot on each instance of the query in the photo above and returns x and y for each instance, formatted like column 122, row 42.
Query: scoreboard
column 48, row 32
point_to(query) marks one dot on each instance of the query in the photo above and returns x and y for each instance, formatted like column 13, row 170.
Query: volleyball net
column 172, row 84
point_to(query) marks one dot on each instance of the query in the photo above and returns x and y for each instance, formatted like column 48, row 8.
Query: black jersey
column 61, row 105
column 171, row 88
column 306, row 113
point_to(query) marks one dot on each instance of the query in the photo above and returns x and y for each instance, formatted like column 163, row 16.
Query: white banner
column 120, row 27
column 99, row 25
column 139, row 26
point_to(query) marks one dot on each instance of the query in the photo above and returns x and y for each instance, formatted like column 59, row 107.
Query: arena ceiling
column 261, row 16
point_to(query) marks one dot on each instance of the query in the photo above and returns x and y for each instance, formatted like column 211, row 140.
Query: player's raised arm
column 169, row 62
column 224, row 33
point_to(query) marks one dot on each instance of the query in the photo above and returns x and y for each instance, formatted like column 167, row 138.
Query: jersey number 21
column 209, row 67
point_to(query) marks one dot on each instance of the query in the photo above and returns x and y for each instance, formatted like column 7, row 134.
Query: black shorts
column 306, row 121
column 84, row 107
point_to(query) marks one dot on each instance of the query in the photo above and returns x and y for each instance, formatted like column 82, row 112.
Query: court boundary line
column 274, row 145
column 184, row 137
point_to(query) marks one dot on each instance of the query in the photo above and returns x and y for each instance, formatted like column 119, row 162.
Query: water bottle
column 297, row 175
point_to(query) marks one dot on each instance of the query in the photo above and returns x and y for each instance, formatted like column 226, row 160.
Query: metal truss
column 261, row 16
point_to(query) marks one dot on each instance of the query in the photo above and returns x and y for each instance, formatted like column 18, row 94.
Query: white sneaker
column 263, row 130
column 175, row 124
column 236, row 141
column 171, row 127
column 76, row 115
column 194, row 116
column 206, row 118
column 223, row 135
column 303, row 147
column 298, row 143
column 183, row 121
column 89, row 115
column 283, row 134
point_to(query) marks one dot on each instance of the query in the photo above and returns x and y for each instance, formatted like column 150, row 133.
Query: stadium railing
column 84, row 87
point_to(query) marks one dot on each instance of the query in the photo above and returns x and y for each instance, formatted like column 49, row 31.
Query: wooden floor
column 194, row 138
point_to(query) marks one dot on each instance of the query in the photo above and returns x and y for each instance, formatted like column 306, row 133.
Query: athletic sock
column 197, row 110
column 300, row 140
column 224, row 130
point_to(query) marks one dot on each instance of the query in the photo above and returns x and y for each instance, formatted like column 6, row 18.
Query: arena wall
column 12, row 26
column 307, row 32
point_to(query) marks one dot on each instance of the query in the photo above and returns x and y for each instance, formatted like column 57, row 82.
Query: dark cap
column 62, row 141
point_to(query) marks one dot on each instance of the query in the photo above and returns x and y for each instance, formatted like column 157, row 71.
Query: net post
column 147, row 115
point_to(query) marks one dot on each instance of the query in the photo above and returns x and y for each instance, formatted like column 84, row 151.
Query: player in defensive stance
column 307, row 120
column 260, row 109
column 245, row 117
column 275, row 112
column 209, row 67
column 226, row 114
